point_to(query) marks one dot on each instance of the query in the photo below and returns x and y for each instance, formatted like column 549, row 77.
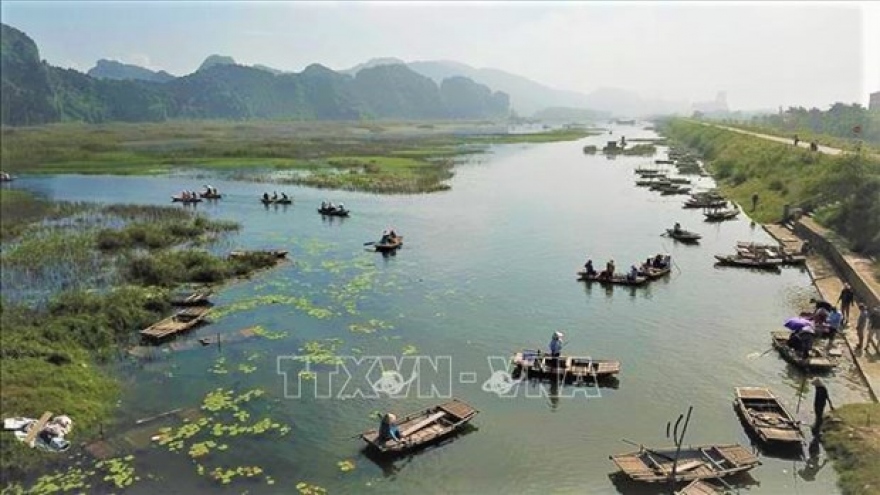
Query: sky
column 763, row 54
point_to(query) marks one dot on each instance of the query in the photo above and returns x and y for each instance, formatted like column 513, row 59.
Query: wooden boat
column 818, row 360
column 422, row 428
column 333, row 212
column 673, row 190
column 679, row 180
column 206, row 195
column 720, row 215
column 191, row 298
column 755, row 250
column 705, row 203
column 698, row 487
column 570, row 369
column 617, row 279
column 684, row 235
column 277, row 253
column 694, row 463
column 178, row 323
column 179, row 199
column 664, row 162
column 6, row 178
column 655, row 273
column 393, row 244
column 766, row 418
column 736, row 260
column 279, row 201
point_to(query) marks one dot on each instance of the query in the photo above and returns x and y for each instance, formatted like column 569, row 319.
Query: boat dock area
column 829, row 280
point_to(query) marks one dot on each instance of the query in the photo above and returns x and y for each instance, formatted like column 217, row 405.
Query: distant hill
column 35, row 92
column 111, row 69
column 528, row 97
column 567, row 114
column 213, row 60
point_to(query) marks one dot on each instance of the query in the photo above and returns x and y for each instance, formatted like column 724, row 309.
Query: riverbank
column 852, row 439
column 377, row 157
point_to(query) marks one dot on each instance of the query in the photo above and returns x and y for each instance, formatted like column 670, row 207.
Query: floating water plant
column 346, row 465
column 370, row 326
column 306, row 489
column 119, row 471
column 409, row 350
column 75, row 479
column 266, row 334
column 321, row 352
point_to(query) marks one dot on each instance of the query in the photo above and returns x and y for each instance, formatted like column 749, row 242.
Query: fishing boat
column 766, row 418
column 334, row 212
column 818, row 360
column 698, row 487
column 181, row 199
column 721, row 215
column 423, row 428
column 655, row 273
column 275, row 253
column 694, row 463
column 197, row 297
column 684, row 235
column 617, row 279
column 570, row 369
column 279, row 201
column 392, row 244
column 770, row 264
column 211, row 195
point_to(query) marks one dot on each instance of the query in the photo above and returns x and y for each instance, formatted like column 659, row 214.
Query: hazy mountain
column 269, row 69
column 373, row 62
column 213, row 60
column 35, row 92
column 111, row 69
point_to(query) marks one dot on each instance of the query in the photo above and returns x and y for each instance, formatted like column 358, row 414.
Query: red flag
column 857, row 129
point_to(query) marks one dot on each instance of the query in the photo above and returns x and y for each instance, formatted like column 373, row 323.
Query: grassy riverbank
column 842, row 191
column 79, row 281
column 388, row 157
column 853, row 442
column 807, row 136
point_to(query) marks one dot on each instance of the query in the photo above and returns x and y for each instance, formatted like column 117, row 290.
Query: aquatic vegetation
column 226, row 476
column 409, row 350
column 266, row 334
column 346, row 465
column 246, row 368
column 321, row 352
column 219, row 367
column 306, row 489
column 119, row 471
column 370, row 326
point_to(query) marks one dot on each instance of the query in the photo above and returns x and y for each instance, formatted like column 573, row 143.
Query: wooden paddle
column 369, row 243
column 647, row 449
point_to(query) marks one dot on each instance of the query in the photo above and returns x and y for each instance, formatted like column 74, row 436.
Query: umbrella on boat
column 797, row 323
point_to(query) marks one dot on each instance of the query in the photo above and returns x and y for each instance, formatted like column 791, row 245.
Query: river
column 487, row 268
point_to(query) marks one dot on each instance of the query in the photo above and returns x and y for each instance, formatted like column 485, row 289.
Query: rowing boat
column 422, row 428
column 766, row 418
column 694, row 463
column 617, row 279
column 818, row 360
column 569, row 369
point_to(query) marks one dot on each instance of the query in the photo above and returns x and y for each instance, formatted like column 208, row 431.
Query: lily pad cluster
column 346, row 465
column 321, row 352
column 371, row 326
column 307, row 489
column 119, row 471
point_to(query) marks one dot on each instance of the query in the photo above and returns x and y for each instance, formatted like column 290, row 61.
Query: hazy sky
column 763, row 54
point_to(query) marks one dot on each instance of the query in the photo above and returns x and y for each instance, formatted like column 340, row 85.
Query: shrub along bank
column 842, row 191
column 52, row 350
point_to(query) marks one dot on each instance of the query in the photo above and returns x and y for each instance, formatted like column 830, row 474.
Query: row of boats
column 761, row 256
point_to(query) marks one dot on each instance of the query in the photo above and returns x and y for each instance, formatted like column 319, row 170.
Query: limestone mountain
column 112, row 69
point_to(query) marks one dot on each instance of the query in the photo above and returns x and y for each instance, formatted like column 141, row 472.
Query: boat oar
column 756, row 356
column 369, row 243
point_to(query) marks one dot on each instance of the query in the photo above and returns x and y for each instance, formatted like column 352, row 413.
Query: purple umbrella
column 797, row 323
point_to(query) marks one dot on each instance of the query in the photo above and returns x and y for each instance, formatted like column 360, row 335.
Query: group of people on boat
column 210, row 190
column 658, row 262
column 188, row 195
column 329, row 206
column 388, row 236
column 275, row 196
column 4, row 176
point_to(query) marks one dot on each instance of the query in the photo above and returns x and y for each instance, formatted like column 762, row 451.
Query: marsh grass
column 391, row 158
column 853, row 442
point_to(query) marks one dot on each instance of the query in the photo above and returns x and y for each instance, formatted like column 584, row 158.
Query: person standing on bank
column 861, row 325
column 754, row 201
column 820, row 400
column 845, row 300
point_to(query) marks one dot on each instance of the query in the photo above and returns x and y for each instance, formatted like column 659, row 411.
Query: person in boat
column 391, row 233
column 609, row 270
column 677, row 228
column 633, row 273
column 388, row 429
column 556, row 344
column 265, row 196
column 274, row 195
column 330, row 206
column 385, row 237
column 341, row 207
column 658, row 261
column 284, row 196
column 588, row 268
column 820, row 400
column 323, row 205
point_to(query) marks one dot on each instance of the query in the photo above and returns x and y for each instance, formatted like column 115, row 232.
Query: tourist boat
column 570, row 369
column 766, row 418
column 333, row 212
column 818, row 361
column 423, row 428
column 720, row 215
column 694, row 462
column 391, row 245
column 655, row 273
column 684, row 236
column 771, row 264
column 276, row 253
column 180, row 322
column 191, row 298
column 279, row 201
column 180, row 199
column 617, row 279
column 207, row 195
column 698, row 487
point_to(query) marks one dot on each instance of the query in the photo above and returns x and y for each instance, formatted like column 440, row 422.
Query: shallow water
column 487, row 268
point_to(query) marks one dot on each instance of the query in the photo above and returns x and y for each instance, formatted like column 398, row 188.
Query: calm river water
column 487, row 268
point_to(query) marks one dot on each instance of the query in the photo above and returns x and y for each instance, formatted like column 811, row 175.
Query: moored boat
column 817, row 361
column 682, row 235
column 698, row 487
column 570, row 369
column 423, row 428
column 766, row 418
column 721, row 215
column 207, row 195
column 276, row 253
column 694, row 462
column 770, row 264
